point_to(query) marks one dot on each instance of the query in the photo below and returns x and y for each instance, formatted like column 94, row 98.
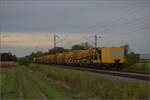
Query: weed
column 88, row 86
column 9, row 85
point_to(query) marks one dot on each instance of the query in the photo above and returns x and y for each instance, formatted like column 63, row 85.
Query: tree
column 57, row 50
column 14, row 58
column 7, row 56
column 78, row 47
column 86, row 45
column 127, row 48
column 36, row 54
column 82, row 46
column 24, row 61
column 131, row 57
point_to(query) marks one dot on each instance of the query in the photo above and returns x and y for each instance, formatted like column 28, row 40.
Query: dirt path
column 20, row 86
column 20, row 92
column 28, row 85
column 21, row 75
column 41, row 93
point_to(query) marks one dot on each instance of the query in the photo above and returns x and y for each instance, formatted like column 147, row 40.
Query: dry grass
column 6, row 64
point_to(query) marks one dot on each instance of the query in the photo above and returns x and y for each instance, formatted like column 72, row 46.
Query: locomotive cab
column 109, row 56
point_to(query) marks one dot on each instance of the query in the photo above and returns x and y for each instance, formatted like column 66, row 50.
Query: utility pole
column 54, row 41
column 95, row 40
column 95, row 37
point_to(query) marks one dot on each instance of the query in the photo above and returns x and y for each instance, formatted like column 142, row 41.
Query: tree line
column 131, row 57
column 29, row 58
column 7, row 56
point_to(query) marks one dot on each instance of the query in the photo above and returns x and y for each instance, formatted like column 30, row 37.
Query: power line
column 62, row 39
column 115, row 19
column 137, row 25
column 55, row 40
column 131, row 26
column 96, row 37
column 87, row 38
column 74, row 41
column 121, row 25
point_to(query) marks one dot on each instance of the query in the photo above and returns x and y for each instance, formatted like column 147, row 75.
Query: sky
column 29, row 26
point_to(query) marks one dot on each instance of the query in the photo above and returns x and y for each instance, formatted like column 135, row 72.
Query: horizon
column 22, row 44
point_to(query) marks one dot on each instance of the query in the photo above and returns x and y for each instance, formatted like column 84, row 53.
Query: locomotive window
column 116, row 53
column 120, row 53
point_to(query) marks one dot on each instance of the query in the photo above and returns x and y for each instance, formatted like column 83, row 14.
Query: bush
column 24, row 61
column 131, row 59
column 138, row 67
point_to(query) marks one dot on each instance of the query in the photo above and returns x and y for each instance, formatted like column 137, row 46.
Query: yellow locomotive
column 108, row 56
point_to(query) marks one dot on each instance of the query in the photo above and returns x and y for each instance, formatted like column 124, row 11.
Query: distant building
column 145, row 57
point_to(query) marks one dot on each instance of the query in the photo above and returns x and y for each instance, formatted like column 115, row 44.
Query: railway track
column 138, row 76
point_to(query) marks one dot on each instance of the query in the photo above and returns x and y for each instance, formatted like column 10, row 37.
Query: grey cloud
column 119, row 21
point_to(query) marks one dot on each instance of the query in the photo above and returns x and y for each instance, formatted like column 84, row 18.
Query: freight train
column 97, row 56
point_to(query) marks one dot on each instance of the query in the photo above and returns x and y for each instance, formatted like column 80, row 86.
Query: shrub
column 138, row 67
column 24, row 61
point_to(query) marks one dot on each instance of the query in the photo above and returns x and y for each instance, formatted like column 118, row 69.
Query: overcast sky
column 28, row 26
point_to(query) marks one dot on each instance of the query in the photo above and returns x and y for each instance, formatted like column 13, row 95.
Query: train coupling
column 117, row 60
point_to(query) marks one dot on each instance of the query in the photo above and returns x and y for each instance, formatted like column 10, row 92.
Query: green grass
column 88, row 86
column 139, row 67
column 2, row 84
column 58, row 83
column 32, row 84
column 50, row 88
column 9, row 85
column 28, row 89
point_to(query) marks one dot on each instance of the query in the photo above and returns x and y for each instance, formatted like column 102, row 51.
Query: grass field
column 47, row 82
column 84, row 82
column 9, row 85
column 33, row 86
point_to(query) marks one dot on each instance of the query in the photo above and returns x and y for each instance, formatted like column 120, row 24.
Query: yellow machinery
column 68, row 58
column 108, row 55
column 60, row 58
column 81, row 57
column 92, row 56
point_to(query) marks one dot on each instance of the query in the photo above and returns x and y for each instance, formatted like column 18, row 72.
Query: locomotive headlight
column 117, row 60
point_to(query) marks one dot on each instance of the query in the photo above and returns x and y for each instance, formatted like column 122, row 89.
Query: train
column 108, row 57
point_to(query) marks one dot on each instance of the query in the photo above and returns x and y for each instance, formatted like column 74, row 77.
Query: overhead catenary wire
column 116, row 19
column 130, row 25
column 110, row 26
